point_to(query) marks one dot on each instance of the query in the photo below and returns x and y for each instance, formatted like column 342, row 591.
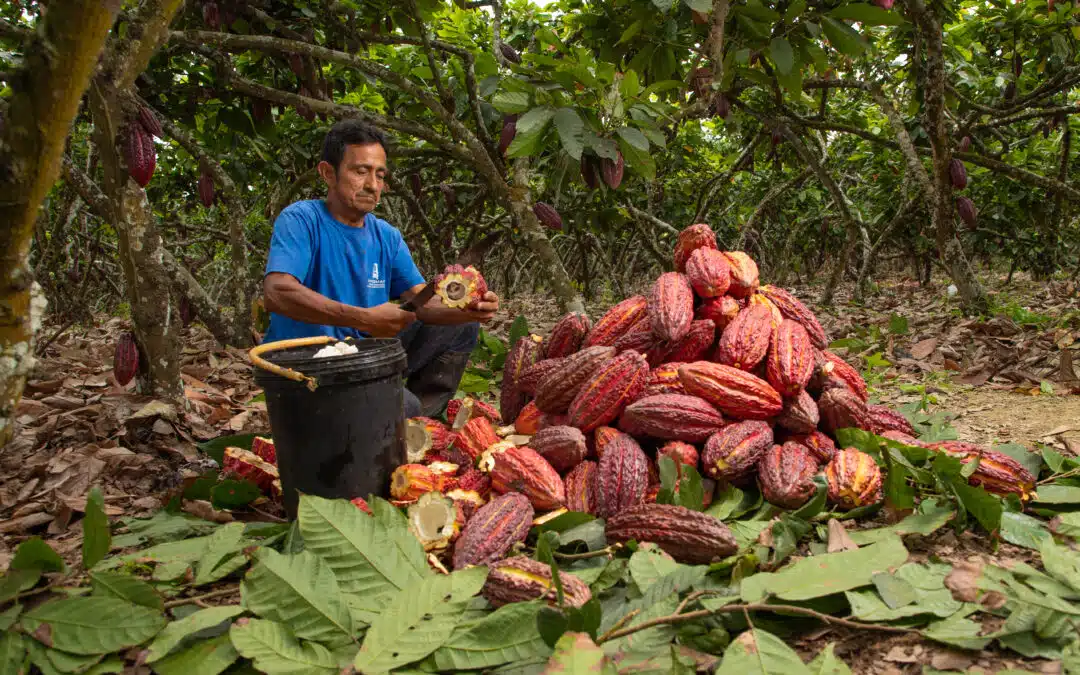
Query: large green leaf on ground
column 506, row 635
column 96, row 534
column 173, row 634
column 92, row 624
column 70, row 663
column 930, row 518
column 931, row 598
column 276, row 651
column 365, row 556
column 822, row 575
column 300, row 591
column 418, row 620
column 957, row 631
column 126, row 587
column 577, row 653
column 35, row 554
column 220, row 545
column 12, row 652
column 648, row 564
column 648, row 640
column 161, row 527
column 757, row 652
column 828, row 663
column 206, row 657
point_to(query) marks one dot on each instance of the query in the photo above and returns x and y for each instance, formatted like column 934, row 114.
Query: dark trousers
column 437, row 356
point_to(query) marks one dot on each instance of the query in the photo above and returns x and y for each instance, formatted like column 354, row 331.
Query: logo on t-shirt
column 375, row 281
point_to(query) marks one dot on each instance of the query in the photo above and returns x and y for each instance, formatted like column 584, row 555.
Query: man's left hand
column 435, row 312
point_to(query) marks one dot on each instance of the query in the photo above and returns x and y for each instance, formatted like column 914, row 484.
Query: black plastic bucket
column 345, row 438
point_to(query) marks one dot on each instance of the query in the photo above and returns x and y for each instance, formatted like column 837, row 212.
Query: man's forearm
column 303, row 304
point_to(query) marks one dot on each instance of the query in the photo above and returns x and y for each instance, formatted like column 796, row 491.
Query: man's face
column 360, row 178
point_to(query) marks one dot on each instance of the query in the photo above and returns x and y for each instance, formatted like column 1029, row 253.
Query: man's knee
column 412, row 405
column 468, row 334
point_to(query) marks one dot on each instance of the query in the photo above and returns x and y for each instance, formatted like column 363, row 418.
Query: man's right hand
column 386, row 320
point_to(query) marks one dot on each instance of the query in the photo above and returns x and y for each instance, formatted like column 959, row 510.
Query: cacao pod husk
column 525, row 353
column 558, row 389
column 671, row 306
column 246, row 465
column 840, row 408
column 718, row 310
column 786, row 475
column 567, row 335
column 968, row 213
column 125, row 359
column 686, row 535
column 732, row 452
column 736, row 393
column 800, row 414
column 474, row 438
column 834, row 371
column 791, row 359
column 664, row 379
column 996, row 472
column 671, row 417
column 473, row 408
column 744, row 274
column 708, row 272
column 461, row 287
column 581, row 487
column 264, row 449
column 528, row 420
column 425, row 439
column 608, row 390
column 882, row 418
column 563, row 447
column 548, row 216
column 623, row 476
column 745, row 342
column 519, row 468
column 791, row 308
column 617, row 321
column 689, row 240
column 820, row 446
column 612, row 170
column 522, row 579
column 410, row 481
column 493, row 530
column 957, row 174
column 854, row 479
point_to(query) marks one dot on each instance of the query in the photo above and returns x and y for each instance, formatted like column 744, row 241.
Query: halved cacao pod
column 246, row 465
column 425, row 439
column 528, row 420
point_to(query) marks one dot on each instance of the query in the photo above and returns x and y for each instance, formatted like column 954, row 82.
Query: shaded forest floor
column 1006, row 378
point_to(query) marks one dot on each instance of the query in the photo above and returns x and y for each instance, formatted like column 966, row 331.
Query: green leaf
column 631, row 31
column 208, row 657
column 757, row 651
column 17, row 581
column 958, row 632
column 571, row 130
column 986, row 508
column 663, row 5
column 232, row 494
column 932, row 519
column 660, row 604
column 92, row 624
column 530, row 132
column 577, row 653
column 691, row 493
column 418, row 620
column 893, row 590
column 511, row 102
column 634, row 137
column 828, row 663
column 781, row 54
column 1057, row 494
column 70, row 663
column 300, row 591
column 932, row 598
column 9, row 615
column 817, row 503
column 35, row 554
column 704, row 6
column 760, row 12
column 518, row 329
column 731, row 502
column 898, row 324
column 794, row 10
column 276, row 651
column 637, row 160
column 163, row 526
column 649, row 564
column 221, row 544
column 1061, row 563
column 869, row 15
column 823, row 575
column 215, row 448
column 1032, row 461
column 668, row 477
column 1023, row 530
column 126, row 587
column 565, row 521
column 506, row 635
column 175, row 633
column 96, row 534
column 630, row 85
column 12, row 653
column 551, row 624
column 843, row 37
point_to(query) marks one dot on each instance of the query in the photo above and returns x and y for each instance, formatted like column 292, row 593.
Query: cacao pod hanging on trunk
column 139, row 153
column 149, row 121
column 612, row 170
column 590, row 170
column 548, row 216
column 125, row 359
column 206, row 189
column 965, row 144
column 958, row 174
column 260, row 111
column 509, row 53
column 187, row 312
column 966, row 208
column 509, row 130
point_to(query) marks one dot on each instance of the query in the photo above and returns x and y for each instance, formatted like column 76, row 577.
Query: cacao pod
column 361, row 503
column 509, row 130
column 965, row 144
column 264, row 449
column 562, row 446
column 558, row 389
column 472, row 408
column 617, row 321
column 736, row 393
column 757, row 299
column 744, row 274
column 718, row 310
column 125, row 359
column 672, row 417
column 968, row 213
column 435, row 521
column 958, row 174
column 671, row 306
column 416, row 185
column 639, row 338
column 854, row 479
column 590, row 170
column 694, row 345
column 881, row 418
column 608, row 390
column 139, row 154
column 1018, row 64
column 884, row 4
column 475, row 437
column 800, row 414
column 681, row 452
column 791, row 359
column 745, row 341
column 686, row 535
column 548, row 216
column 409, row 481
column 786, row 475
column 996, row 472
column 622, row 478
column 549, row 420
column 840, row 408
column 515, row 468
column 720, row 106
column 525, row 353
column 261, row 112
column 206, row 189
column 689, row 240
column 601, row 437
column 791, row 308
column 836, row 372
column 708, row 272
column 521, row 579
column 509, row 53
column 664, row 379
column 820, row 446
column 581, row 487
column 425, row 439
column 567, row 335
column 612, row 170
column 528, row 420
column 472, row 481
column 493, row 530
column 211, row 15
column 901, row 437
column 150, row 122
column 187, row 311
column 531, row 378
column 461, row 287
column 733, row 452
column 246, row 465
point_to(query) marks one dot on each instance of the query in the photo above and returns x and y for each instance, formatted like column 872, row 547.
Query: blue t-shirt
column 360, row 266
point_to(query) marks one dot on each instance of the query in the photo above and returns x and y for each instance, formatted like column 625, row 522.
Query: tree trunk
column 59, row 62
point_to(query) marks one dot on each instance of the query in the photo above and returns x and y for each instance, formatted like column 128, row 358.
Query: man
column 334, row 267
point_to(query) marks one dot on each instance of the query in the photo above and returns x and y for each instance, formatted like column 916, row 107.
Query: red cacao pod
column 791, row 308
column 416, row 185
column 528, row 420
column 531, row 378
column 548, row 216
column 522, row 579
column 461, row 287
column 800, row 414
column 567, row 335
column 608, row 390
column 493, row 530
column 701, row 81
column 786, row 475
column 261, row 111
column 671, row 306
column 425, row 439
column 509, row 130
column 475, row 437
column 791, row 359
column 206, row 189
column 211, row 15
column 718, row 310
column 968, row 213
column 744, row 274
column 733, row 452
column 681, row 452
column 836, row 372
column 672, row 417
column 854, row 479
column 139, row 154
column 881, row 418
column 689, row 240
column 612, row 170
column 601, row 437
column 581, row 487
column 840, row 408
column 519, row 468
column 745, row 341
column 958, row 174
column 708, row 272
column 996, row 472
column 965, row 144
column 125, row 359
column 473, row 408
column 622, row 477
column 664, row 379
column 150, row 122
column 736, row 393
column 686, row 535
column 562, row 446
column 720, row 106
column 694, row 345
column 820, row 446
column 617, row 321
column 246, row 465
column 525, row 353
column 639, row 338
column 590, row 170
column 557, row 391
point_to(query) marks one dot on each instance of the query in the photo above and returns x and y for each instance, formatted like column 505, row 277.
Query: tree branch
column 714, row 184
column 11, row 31
column 417, row 212
column 1031, row 114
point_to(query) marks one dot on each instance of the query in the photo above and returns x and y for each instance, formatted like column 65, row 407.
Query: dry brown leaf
column 839, row 539
column 924, row 348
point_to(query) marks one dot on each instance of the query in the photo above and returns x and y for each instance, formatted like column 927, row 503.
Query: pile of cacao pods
column 712, row 369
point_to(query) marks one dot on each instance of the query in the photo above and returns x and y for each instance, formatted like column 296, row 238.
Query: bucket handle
column 255, row 355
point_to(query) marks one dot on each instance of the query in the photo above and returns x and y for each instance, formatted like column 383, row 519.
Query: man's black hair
column 346, row 133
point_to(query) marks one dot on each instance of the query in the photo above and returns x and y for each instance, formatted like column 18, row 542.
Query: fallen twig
column 196, row 599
